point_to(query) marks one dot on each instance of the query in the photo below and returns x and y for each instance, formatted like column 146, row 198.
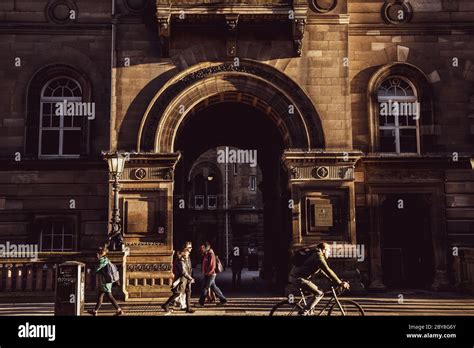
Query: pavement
column 252, row 300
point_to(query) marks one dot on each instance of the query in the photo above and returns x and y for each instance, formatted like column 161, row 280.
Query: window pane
column 47, row 121
column 72, row 142
column 58, row 92
column 403, row 120
column 408, row 140
column 387, row 140
column 199, row 202
column 46, row 108
column 46, row 243
column 77, row 121
column 58, row 227
column 68, row 242
column 68, row 121
column 212, row 202
column 55, row 121
column 57, row 242
column 390, row 120
column 50, row 142
column 411, row 121
column 199, row 186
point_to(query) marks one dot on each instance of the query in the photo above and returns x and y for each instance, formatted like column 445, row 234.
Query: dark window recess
column 56, row 235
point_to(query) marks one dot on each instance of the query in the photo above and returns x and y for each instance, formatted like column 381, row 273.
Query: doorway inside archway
column 231, row 190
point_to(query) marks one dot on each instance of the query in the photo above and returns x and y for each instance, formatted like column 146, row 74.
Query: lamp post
column 116, row 162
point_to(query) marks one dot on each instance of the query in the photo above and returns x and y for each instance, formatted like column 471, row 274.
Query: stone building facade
column 310, row 85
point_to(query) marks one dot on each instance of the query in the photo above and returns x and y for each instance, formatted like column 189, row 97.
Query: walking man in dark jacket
column 209, row 272
column 237, row 265
column 314, row 264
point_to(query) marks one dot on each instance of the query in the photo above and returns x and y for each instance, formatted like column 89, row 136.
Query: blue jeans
column 209, row 282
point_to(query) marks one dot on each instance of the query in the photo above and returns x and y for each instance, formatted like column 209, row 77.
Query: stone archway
column 249, row 82
column 149, row 180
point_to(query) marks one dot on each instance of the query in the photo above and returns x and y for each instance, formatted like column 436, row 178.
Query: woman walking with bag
column 181, row 282
column 105, row 270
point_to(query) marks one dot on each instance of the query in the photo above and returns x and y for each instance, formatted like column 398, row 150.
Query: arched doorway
column 231, row 206
column 247, row 107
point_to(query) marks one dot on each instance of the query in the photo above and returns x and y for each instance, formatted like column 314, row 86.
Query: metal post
column 226, row 207
column 115, row 236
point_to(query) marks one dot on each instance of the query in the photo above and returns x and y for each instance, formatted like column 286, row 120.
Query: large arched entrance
column 233, row 203
column 174, row 186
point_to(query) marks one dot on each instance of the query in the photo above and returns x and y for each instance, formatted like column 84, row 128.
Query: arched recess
column 425, row 97
column 249, row 82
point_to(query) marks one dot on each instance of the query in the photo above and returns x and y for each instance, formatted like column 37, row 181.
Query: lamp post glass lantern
column 116, row 162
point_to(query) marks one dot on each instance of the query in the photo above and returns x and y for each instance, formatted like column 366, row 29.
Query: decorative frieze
column 156, row 267
column 322, row 173
column 321, row 165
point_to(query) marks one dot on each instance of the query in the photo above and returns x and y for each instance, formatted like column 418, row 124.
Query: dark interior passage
column 261, row 231
column 407, row 247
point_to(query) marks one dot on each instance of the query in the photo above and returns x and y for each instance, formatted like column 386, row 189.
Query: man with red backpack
column 210, row 264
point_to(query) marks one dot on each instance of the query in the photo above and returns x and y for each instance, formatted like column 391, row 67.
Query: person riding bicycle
column 314, row 263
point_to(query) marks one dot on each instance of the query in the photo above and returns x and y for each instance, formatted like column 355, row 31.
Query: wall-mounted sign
column 323, row 214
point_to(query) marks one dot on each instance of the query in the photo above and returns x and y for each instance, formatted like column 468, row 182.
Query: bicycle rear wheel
column 350, row 308
column 284, row 308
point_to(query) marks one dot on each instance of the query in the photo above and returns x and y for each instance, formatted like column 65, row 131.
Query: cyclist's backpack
column 111, row 273
column 219, row 265
column 300, row 256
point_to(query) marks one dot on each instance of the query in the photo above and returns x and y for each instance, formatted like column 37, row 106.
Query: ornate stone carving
column 231, row 43
column 164, row 33
column 397, row 11
column 139, row 173
column 322, row 6
column 157, row 267
column 320, row 172
column 232, row 20
column 143, row 243
column 298, row 33
column 168, row 174
column 295, row 173
column 304, row 105
column 61, row 11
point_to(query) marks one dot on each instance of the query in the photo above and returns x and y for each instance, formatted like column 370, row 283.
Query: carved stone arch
column 424, row 91
column 261, row 85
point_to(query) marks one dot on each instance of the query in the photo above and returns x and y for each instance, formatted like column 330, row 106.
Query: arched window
column 58, row 112
column 398, row 116
column 400, row 111
column 61, row 113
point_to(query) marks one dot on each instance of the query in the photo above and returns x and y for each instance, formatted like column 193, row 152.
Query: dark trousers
column 175, row 295
column 313, row 288
column 209, row 282
column 236, row 278
column 111, row 298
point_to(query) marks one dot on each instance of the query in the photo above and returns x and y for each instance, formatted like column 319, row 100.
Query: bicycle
column 334, row 306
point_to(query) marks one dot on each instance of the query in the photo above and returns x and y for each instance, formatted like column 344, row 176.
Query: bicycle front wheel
column 350, row 308
column 284, row 308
